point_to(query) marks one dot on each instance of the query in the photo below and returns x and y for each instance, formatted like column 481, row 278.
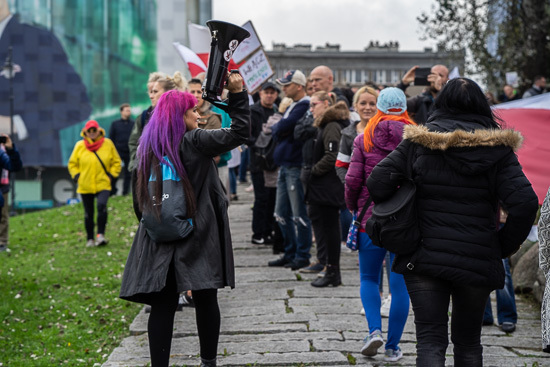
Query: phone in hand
column 3, row 139
column 421, row 76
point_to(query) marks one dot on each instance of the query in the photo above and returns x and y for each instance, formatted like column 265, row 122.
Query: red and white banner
column 531, row 117
column 193, row 61
column 199, row 40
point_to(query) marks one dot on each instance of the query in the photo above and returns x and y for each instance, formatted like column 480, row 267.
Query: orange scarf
column 373, row 123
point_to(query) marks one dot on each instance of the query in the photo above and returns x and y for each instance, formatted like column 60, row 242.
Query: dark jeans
column 430, row 300
column 245, row 157
column 262, row 218
column 325, row 221
column 88, row 203
column 506, row 300
column 126, row 175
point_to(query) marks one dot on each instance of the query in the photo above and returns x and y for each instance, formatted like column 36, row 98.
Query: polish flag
column 199, row 41
column 531, row 117
column 193, row 61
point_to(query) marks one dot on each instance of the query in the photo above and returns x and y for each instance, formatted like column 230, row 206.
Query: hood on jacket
column 469, row 152
column 338, row 112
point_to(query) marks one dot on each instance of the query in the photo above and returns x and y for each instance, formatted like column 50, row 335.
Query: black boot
column 208, row 362
column 332, row 277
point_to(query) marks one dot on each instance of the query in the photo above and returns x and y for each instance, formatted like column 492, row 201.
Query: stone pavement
column 274, row 317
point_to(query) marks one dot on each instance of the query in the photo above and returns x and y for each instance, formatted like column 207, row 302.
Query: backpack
column 172, row 224
column 264, row 147
column 394, row 222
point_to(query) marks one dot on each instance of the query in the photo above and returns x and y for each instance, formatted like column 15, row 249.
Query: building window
column 380, row 76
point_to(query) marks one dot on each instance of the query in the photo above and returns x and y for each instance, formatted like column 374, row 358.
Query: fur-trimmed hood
column 460, row 138
column 338, row 112
column 469, row 150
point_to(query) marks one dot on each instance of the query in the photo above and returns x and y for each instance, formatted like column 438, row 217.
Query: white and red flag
column 531, row 117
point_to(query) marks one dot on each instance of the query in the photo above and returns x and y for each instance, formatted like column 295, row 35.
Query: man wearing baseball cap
column 296, row 227
column 262, row 218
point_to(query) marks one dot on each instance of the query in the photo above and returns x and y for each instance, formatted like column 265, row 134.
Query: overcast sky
column 350, row 23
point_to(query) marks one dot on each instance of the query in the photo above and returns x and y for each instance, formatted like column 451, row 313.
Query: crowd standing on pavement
column 314, row 157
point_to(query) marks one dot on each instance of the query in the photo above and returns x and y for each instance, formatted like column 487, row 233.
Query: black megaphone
column 226, row 37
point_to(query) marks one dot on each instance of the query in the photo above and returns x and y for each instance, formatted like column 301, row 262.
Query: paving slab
column 274, row 317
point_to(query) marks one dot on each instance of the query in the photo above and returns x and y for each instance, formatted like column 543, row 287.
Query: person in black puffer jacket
column 464, row 164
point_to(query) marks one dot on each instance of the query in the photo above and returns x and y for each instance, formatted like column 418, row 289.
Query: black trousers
column 262, row 212
column 430, row 301
column 161, row 321
column 88, row 203
column 325, row 221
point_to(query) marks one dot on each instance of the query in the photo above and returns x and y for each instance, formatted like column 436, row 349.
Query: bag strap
column 102, row 165
column 362, row 214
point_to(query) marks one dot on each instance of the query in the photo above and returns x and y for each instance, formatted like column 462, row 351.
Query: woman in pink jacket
column 382, row 134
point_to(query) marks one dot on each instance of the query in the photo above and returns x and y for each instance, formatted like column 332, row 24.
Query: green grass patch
column 60, row 302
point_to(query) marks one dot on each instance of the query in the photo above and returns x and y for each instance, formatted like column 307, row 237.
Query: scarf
column 91, row 145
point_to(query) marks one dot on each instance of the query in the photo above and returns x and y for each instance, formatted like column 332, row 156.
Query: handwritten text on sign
column 256, row 70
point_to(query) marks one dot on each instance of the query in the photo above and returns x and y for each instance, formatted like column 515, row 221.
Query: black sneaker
column 297, row 264
column 258, row 240
column 282, row 261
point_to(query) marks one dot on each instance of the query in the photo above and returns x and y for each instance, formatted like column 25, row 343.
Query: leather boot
column 332, row 277
column 208, row 362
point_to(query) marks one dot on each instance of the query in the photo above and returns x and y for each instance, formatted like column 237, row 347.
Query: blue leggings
column 370, row 264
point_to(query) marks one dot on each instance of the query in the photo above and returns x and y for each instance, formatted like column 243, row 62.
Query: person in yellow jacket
column 93, row 163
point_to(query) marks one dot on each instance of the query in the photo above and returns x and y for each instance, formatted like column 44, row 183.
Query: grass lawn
column 59, row 300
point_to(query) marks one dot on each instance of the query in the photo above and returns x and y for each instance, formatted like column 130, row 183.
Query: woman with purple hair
column 156, row 272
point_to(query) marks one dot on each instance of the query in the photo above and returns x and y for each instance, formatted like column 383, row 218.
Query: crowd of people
column 316, row 156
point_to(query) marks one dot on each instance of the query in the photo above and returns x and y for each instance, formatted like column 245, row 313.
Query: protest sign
column 248, row 46
column 256, row 70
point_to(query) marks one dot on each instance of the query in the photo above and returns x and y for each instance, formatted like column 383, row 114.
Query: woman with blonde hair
column 382, row 134
column 324, row 192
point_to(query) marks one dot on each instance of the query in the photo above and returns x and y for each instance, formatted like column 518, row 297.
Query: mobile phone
column 3, row 140
column 421, row 76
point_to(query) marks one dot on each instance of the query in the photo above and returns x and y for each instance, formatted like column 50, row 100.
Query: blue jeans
column 370, row 264
column 291, row 214
column 430, row 298
column 506, row 300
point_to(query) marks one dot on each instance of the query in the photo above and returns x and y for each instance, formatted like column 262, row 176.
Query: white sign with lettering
column 256, row 70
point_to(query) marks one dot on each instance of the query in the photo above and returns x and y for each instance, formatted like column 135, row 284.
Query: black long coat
column 462, row 169
column 204, row 260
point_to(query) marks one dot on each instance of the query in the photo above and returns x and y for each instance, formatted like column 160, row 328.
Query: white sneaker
column 90, row 243
column 372, row 343
column 363, row 311
column 100, row 240
column 385, row 308
column 393, row 355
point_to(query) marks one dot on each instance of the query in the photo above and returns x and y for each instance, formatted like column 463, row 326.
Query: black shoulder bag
column 104, row 168
column 394, row 222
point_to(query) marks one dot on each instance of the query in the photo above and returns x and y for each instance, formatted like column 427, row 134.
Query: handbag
column 351, row 241
column 171, row 223
column 394, row 222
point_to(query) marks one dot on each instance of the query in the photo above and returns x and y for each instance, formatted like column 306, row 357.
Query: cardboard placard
column 256, row 70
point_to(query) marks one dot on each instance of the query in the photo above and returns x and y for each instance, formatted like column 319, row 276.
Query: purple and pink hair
column 164, row 132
